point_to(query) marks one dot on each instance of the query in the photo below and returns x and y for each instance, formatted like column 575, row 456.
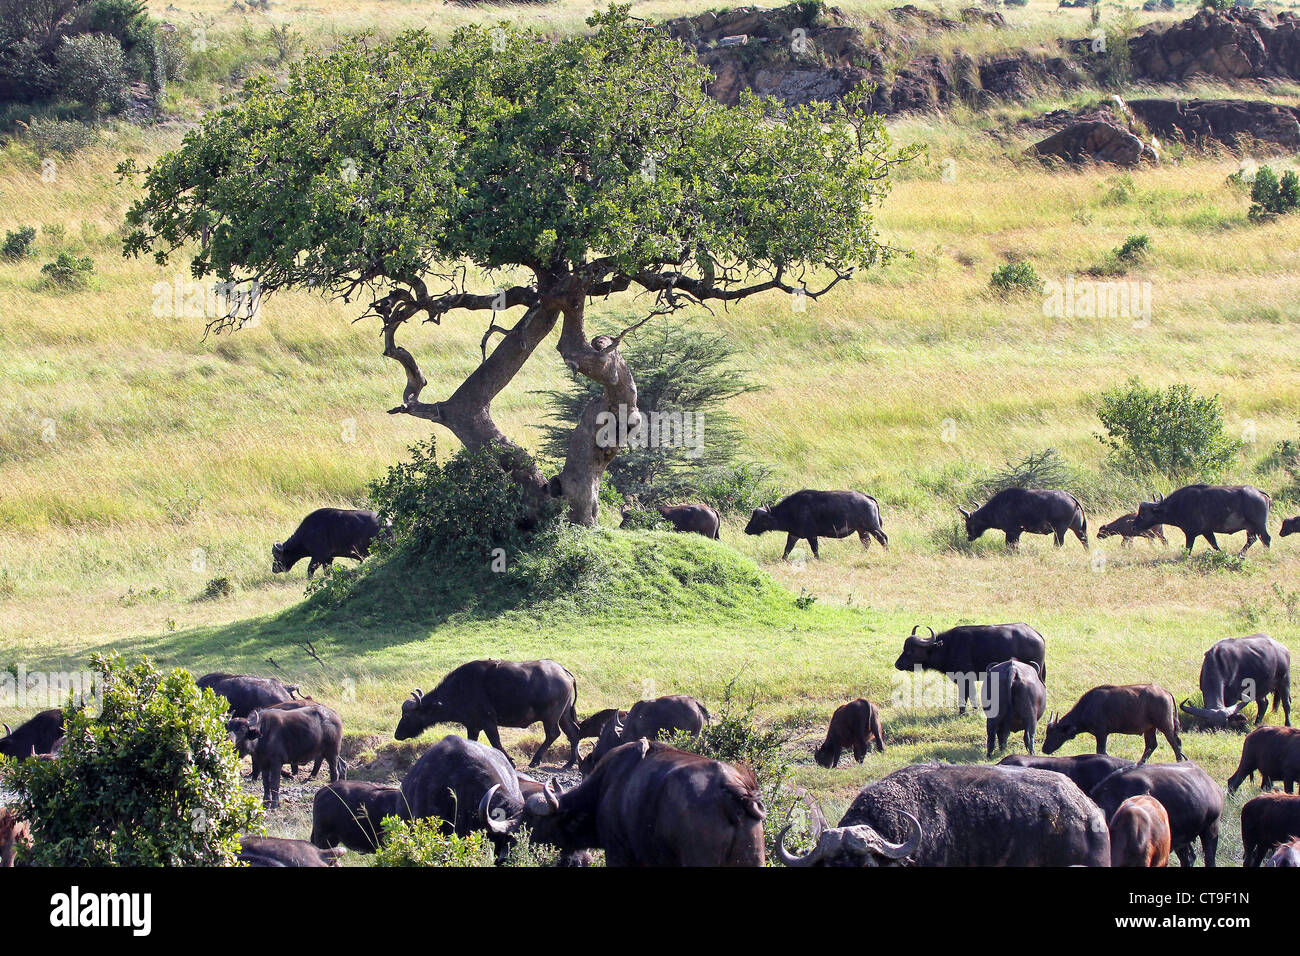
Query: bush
column 638, row 519
column 153, row 780
column 68, row 271
column 1134, row 249
column 738, row 488
column 92, row 69
column 1015, row 278
column 423, row 843
column 65, row 137
column 1043, row 469
column 1173, row 432
column 18, row 243
column 1270, row 196
column 217, row 588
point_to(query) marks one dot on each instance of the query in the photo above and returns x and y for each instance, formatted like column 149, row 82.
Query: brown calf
column 854, row 726
column 1139, row 833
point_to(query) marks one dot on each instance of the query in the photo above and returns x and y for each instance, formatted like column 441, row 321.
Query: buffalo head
column 1149, row 514
column 760, row 521
column 542, row 814
column 1218, row 717
column 916, row 650
column 419, row 713
column 277, row 558
column 858, row 845
column 243, row 733
column 1059, row 731
column 976, row 524
column 611, row 735
column 1291, row 526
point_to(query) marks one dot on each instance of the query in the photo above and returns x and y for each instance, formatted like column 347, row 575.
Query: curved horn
column 793, row 859
column 552, row 796
column 253, row 718
column 901, row 851
column 931, row 630
column 964, row 513
column 490, row 819
column 915, row 628
column 8, row 732
column 1205, row 713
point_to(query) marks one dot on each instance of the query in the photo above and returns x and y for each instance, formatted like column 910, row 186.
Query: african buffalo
column 961, row 815
column 1239, row 670
column 1274, row 752
column 37, row 736
column 699, row 519
column 485, row 695
column 1124, row 527
column 1014, row 699
column 1013, row 511
column 1086, row 770
column 451, row 779
column 1139, row 833
column 965, row 653
column 651, row 719
column 820, row 514
column 854, row 726
column 1290, row 526
column 1207, row 510
column 1266, row 821
column 246, row 693
column 1192, row 799
column 280, row 852
column 348, row 813
column 1288, row 854
column 593, row 725
column 648, row 804
column 1129, row 709
column 326, row 534
column 311, row 733
column 13, row 834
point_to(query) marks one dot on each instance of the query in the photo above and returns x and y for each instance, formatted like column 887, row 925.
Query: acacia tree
column 554, row 171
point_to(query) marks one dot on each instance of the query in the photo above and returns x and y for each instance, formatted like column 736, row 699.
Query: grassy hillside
column 139, row 461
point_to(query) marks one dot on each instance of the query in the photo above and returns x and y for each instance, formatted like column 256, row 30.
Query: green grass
column 138, row 462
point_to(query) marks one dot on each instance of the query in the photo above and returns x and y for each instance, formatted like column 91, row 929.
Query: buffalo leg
column 1101, row 743
column 1210, row 843
column 1250, row 539
column 472, row 733
column 312, row 565
column 1191, row 540
column 1186, row 854
column 1013, row 540
column 1161, row 535
column 790, row 541
column 1150, row 738
column 812, row 543
column 1175, row 742
column 1031, row 731
column 315, row 769
column 1081, row 535
column 991, row 733
column 882, row 538
column 1214, row 542
column 860, row 752
column 1004, row 733
column 569, row 724
column 552, row 731
column 494, row 738
column 865, row 539
column 1286, row 704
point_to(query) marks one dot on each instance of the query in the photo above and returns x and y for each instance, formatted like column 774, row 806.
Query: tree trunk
column 590, row 448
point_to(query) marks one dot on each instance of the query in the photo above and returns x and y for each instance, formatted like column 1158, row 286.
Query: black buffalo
column 593, row 725
column 1239, row 670
column 696, row 519
column 953, row 815
column 1266, row 821
column 348, row 813
column 1014, row 699
column 648, row 804
column 37, row 736
column 965, row 653
column 451, row 780
column 1207, row 510
column 1141, row 709
column 1125, row 527
column 326, row 534
column 1086, row 770
column 1290, row 526
column 1014, row 511
column 247, row 693
column 1273, row 752
column 1191, row 797
column 854, row 726
column 651, row 719
column 311, row 733
column 820, row 514
column 280, row 852
column 485, row 695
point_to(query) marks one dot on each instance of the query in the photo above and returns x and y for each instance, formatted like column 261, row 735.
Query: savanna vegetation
column 147, row 467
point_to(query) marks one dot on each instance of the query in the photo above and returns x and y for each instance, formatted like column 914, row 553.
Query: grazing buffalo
column 1288, row 854
column 1086, row 770
column 1290, row 526
column 1139, row 833
column 1274, row 752
column 965, row 653
column 1193, row 801
column 1207, row 510
column 247, row 693
column 697, row 519
column 1014, row 699
column 312, row 733
column 1266, row 821
column 593, row 725
column 1014, row 511
column 967, row 816
column 820, row 514
column 1239, row 670
column 38, row 736
column 13, row 834
column 280, row 852
column 1124, row 526
column 451, row 780
column 326, row 534
column 854, row 726
column 648, row 804
column 1129, row 709
column 651, row 719
column 485, row 695
column 348, row 813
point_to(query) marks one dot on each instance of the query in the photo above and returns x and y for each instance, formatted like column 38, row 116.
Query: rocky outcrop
column 1233, row 45
column 1231, row 122
column 1095, row 141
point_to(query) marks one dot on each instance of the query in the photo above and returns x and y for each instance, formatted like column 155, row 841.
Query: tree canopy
column 508, row 170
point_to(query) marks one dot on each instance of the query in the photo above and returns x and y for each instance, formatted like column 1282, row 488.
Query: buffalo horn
column 491, row 820
column 8, row 732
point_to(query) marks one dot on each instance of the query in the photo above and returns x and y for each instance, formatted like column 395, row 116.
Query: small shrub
column 1173, row 432
column 217, row 588
column 637, row 519
column 1042, row 469
column 739, row 488
column 1015, row 278
column 68, row 271
column 18, row 243
column 92, row 69
column 65, row 137
column 1271, row 196
column 1135, row 249
column 422, row 843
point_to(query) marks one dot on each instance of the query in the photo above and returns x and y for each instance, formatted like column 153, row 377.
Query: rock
column 1223, row 121
column 1235, row 44
column 1095, row 141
